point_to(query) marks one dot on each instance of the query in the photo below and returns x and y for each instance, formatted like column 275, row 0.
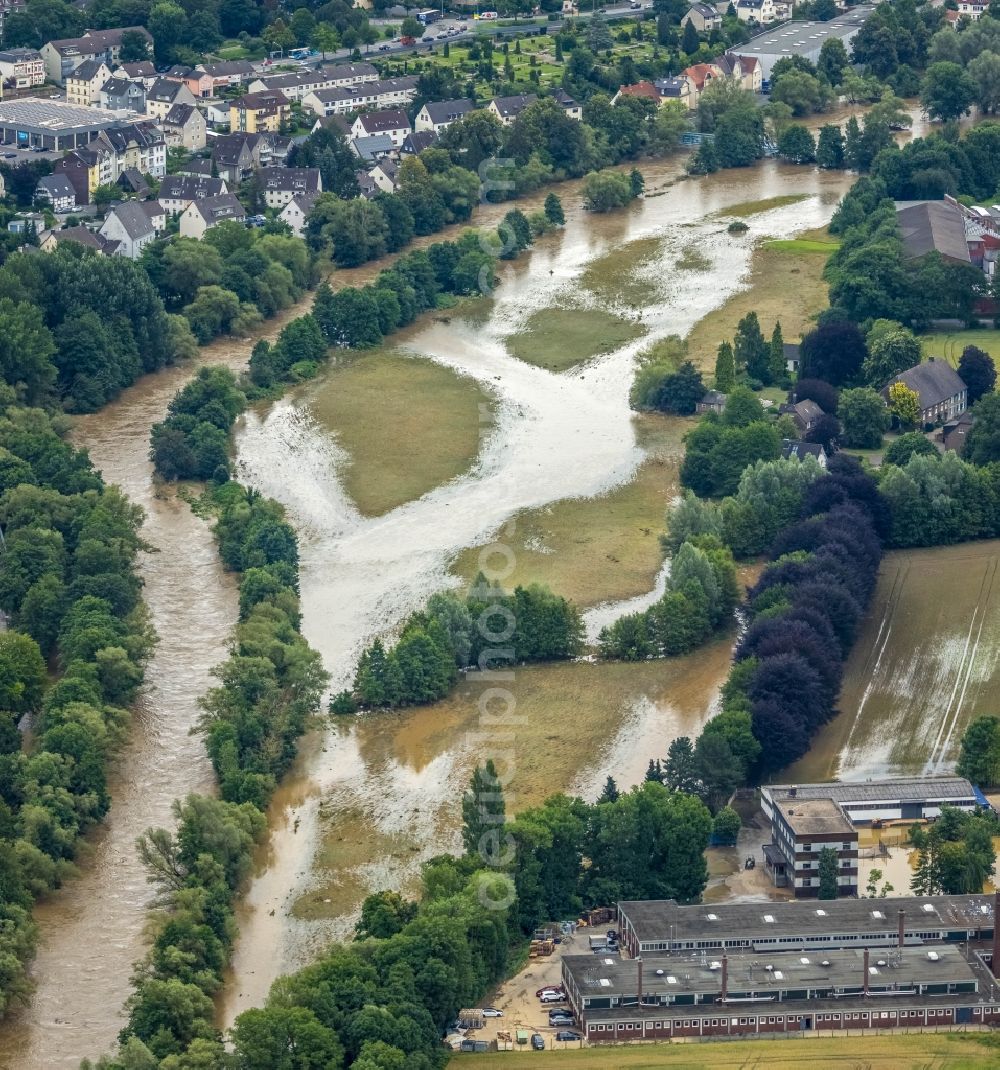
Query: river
column 554, row 436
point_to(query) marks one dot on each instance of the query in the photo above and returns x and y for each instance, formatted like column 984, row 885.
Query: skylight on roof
column 604, row 983
column 878, row 915
column 778, row 975
column 609, row 962
column 769, row 918
column 928, row 908
column 804, row 961
column 671, row 980
column 821, row 913
column 712, row 917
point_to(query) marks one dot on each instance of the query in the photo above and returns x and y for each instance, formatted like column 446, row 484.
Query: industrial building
column 802, row 39
column 32, row 122
column 664, row 925
column 752, row 969
column 800, row 830
column 897, row 799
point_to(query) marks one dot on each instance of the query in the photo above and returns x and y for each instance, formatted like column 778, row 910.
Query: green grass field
column 558, row 338
column 949, row 344
column 927, row 1051
column 744, row 208
column 801, row 245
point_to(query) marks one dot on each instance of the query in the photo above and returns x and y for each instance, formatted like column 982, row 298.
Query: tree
column 984, row 71
column 636, row 182
column 134, row 47
column 796, row 144
column 864, row 418
column 598, row 34
column 947, row 92
column 802, row 92
column 604, row 191
column 977, row 370
column 726, row 826
column 828, row 888
column 872, row 888
column 833, row 61
column 679, row 768
column 690, row 41
column 554, row 210
column 906, row 446
column 285, row 1038
column 982, row 445
column 830, row 146
column 743, row 408
column 777, row 369
column 833, row 352
column 979, row 754
column 904, row 404
column 610, row 792
column 384, row 914
column 725, row 368
column 483, row 813
column 22, row 674
column 751, row 351
column 26, row 351
column 680, row 391
column 889, row 353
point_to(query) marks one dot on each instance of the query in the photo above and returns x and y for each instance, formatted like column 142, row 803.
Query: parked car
column 553, row 997
column 538, row 1042
column 548, row 988
column 568, row 1034
column 561, row 1013
column 560, row 1023
column 491, row 1012
column 384, row 48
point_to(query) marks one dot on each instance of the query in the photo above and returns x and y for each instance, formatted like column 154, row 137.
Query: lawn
column 559, row 338
column 427, row 430
column 594, row 550
column 618, row 276
column 745, row 208
column 949, row 344
column 926, row 1051
column 923, row 666
column 802, row 245
column 786, row 284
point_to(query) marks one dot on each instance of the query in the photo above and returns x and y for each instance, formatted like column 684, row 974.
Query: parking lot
column 522, row 1008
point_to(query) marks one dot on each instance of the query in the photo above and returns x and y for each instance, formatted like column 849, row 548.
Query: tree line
column 70, row 665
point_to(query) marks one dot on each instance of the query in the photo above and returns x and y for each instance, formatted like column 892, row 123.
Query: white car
column 491, row 1012
column 552, row 997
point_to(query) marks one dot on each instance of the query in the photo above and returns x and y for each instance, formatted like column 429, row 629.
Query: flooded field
column 924, row 665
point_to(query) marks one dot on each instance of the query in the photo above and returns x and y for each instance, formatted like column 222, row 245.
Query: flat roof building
column 864, row 801
column 54, row 124
column 800, row 830
column 802, row 39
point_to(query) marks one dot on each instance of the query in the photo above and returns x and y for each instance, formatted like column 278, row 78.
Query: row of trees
column 701, row 594
column 955, row 855
column 70, row 589
column 483, row 627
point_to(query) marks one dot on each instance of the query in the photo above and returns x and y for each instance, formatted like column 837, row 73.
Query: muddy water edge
column 92, row 931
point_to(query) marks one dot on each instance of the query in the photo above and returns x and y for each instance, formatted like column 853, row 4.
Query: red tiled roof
column 641, row 89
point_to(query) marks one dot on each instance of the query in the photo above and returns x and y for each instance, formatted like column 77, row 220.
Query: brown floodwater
column 555, row 436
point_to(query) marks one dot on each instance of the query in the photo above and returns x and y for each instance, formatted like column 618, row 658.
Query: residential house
column 295, row 213
column 392, row 122
column 83, row 85
column 955, row 431
column 342, row 100
column 700, row 75
column 933, row 226
column 57, row 191
column 372, row 149
column 78, row 235
column 236, row 156
column 164, row 94
column 679, row 88
column 216, row 114
column 793, row 358
column 805, row 415
column 743, row 69
column 197, row 166
column 439, row 115
column 507, row 109
column 21, row 68
column 280, row 184
column 796, row 449
column 415, row 143
column 63, row 57
column 943, row 395
column 178, row 191
column 132, row 182
column 342, row 75
column 122, row 94
column 800, row 830
column 572, row 109
column 184, row 127
column 130, row 225
column 761, row 12
column 385, row 175
column 143, row 72
column 644, row 90
column 140, row 145
column 703, row 17
column 228, row 74
column 713, row 401
column 199, row 83
column 86, row 169
column 259, row 112
column 366, row 185
column 973, row 10
column 209, row 212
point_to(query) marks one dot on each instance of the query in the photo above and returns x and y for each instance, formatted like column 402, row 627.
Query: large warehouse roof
column 55, row 116
column 803, row 38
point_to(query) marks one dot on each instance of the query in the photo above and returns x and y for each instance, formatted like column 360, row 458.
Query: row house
column 142, row 71
column 184, row 128
column 388, row 93
column 385, row 175
column 299, row 84
column 279, row 185
column 393, row 123
column 62, row 57
column 163, row 95
column 200, row 216
column 200, row 83
column 83, row 85
column 236, row 157
column 259, row 112
column 21, row 68
column 439, row 115
column 178, row 191
column 348, row 74
column 139, row 145
column 228, row 74
column 122, row 94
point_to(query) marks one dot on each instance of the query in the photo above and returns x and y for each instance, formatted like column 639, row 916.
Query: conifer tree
column 725, row 368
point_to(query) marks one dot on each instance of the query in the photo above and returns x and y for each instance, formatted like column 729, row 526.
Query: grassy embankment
column 927, row 1051
column 559, row 338
column 427, row 432
column 949, row 344
column 923, row 666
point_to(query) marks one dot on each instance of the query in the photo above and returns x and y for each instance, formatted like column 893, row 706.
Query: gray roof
column 713, row 397
column 196, row 166
column 419, row 140
column 894, row 789
column 134, row 218
column 179, row 114
column 447, row 111
column 370, row 147
column 285, row 179
column 134, row 179
column 349, row 70
column 87, row 70
column 934, row 380
column 815, row 817
column 117, row 87
column 793, row 447
column 216, row 209
column 190, row 187
column 801, row 38
column 705, row 10
column 507, row 106
column 799, row 920
column 142, row 69
column 56, row 186
column 164, row 91
column 19, row 55
column 55, row 116
column 82, row 236
column 376, row 122
column 933, row 226
column 227, row 68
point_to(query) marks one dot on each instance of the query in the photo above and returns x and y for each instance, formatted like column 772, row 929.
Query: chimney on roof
column 866, row 974
column 902, row 928
column 638, row 963
column 725, row 976
column 995, row 962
